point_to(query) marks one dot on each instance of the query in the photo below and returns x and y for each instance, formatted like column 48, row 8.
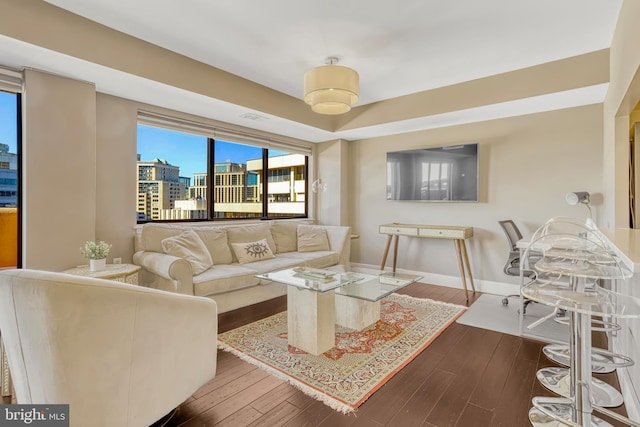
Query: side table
column 126, row 273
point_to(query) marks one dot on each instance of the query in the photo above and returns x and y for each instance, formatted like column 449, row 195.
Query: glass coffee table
column 318, row 299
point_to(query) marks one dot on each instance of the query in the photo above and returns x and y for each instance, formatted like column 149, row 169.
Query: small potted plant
column 96, row 253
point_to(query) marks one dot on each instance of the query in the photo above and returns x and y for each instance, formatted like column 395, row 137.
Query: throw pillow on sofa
column 252, row 251
column 215, row 239
column 189, row 246
column 250, row 233
column 311, row 239
column 284, row 234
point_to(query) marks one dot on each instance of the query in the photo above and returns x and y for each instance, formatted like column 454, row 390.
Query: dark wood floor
column 466, row 377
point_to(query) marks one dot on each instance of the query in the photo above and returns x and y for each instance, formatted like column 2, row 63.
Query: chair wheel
column 505, row 301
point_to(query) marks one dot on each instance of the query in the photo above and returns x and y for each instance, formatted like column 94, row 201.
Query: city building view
column 163, row 194
column 8, row 177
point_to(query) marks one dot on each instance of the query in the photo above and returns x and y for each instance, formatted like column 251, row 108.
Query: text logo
column 34, row 415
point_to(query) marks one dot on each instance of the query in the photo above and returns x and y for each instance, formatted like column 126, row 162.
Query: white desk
column 456, row 233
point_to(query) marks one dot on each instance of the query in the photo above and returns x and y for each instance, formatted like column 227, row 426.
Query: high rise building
column 235, row 184
column 198, row 191
column 159, row 186
column 8, row 177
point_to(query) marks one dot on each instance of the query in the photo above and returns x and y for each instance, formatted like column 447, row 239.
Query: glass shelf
column 581, row 268
column 560, row 279
column 598, row 255
column 569, row 247
column 594, row 302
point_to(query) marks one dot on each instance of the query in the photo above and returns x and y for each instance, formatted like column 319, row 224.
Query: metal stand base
column 557, row 412
column 558, row 381
column 602, row 361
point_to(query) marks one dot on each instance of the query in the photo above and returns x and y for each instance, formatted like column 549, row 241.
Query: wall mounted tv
column 442, row 174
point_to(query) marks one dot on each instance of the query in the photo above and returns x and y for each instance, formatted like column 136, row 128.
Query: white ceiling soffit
column 398, row 48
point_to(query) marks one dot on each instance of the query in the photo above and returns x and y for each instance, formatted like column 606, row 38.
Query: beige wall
column 59, row 193
column 116, row 173
column 527, row 165
column 333, row 169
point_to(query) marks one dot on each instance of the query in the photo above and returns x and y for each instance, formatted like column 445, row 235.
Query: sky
column 8, row 120
column 179, row 149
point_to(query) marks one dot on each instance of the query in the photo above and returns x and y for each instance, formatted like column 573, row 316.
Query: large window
column 183, row 176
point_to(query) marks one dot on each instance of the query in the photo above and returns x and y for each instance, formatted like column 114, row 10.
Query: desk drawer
column 443, row 233
column 404, row 231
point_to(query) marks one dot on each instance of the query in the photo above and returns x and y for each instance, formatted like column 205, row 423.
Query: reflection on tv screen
column 443, row 174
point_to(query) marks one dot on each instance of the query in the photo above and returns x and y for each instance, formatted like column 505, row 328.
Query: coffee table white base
column 355, row 313
column 311, row 320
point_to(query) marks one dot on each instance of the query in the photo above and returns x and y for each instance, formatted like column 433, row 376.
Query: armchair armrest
column 166, row 272
column 171, row 330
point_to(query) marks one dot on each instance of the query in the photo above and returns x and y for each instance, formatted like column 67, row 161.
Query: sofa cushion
column 250, row 233
column 312, row 238
column 285, row 235
column 223, row 278
column 277, row 263
column 215, row 239
column 189, row 246
column 319, row 259
column 252, row 251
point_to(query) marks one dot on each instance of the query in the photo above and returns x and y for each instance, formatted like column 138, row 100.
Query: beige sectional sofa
column 221, row 261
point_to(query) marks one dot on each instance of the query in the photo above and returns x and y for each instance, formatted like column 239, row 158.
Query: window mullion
column 265, row 183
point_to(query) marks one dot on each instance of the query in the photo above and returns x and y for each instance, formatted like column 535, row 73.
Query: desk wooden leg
column 386, row 252
column 463, row 246
column 456, row 242
column 395, row 253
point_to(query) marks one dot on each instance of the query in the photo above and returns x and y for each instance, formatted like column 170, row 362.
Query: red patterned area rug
column 360, row 363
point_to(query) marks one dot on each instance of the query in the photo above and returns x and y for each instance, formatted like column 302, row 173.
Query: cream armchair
column 118, row 354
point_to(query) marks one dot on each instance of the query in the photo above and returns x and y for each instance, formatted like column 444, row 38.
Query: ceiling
column 398, row 48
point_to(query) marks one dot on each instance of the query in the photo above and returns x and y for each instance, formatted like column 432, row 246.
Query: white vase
column 97, row 264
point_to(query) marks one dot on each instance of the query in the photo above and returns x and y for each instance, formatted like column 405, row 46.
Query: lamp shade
column 331, row 89
column 577, row 197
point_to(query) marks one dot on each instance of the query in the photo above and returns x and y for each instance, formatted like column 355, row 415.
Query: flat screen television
column 441, row 174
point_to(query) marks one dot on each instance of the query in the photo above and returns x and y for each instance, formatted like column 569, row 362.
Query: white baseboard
column 485, row 286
